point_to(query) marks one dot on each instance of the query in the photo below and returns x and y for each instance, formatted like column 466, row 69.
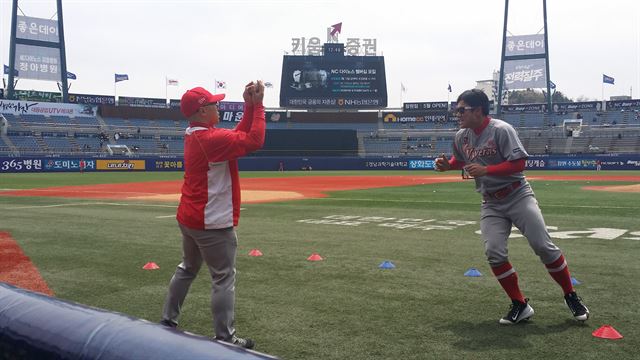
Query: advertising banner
column 577, row 106
column 623, row 104
column 413, row 118
column 166, row 164
column 69, row 164
column 38, row 62
column 16, row 107
column 30, row 28
column 142, row 102
column 525, row 74
column 426, row 106
column 524, row 45
column 120, row 164
column 92, row 99
column 527, row 108
column 32, row 95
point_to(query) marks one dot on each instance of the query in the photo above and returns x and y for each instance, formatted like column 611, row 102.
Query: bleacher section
column 309, row 134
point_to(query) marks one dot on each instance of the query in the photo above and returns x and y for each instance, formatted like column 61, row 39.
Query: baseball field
column 85, row 238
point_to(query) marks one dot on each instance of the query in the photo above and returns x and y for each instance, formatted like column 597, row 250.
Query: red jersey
column 211, row 189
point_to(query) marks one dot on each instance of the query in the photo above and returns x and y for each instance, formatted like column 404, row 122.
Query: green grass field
column 345, row 307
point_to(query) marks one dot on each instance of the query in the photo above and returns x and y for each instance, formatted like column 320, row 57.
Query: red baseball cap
column 196, row 98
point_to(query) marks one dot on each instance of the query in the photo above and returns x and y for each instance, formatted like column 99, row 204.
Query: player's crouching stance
column 489, row 151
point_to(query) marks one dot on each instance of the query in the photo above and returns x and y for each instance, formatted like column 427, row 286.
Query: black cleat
column 519, row 311
column 574, row 302
column 168, row 323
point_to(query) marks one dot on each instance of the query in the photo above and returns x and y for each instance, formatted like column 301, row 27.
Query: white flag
column 172, row 82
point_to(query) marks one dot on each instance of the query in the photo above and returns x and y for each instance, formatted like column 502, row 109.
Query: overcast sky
column 426, row 44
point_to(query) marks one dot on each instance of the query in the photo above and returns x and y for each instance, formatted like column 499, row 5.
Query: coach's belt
column 503, row 192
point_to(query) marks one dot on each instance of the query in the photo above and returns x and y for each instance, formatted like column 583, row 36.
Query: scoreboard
column 333, row 81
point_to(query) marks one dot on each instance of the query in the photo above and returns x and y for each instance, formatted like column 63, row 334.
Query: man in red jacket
column 210, row 204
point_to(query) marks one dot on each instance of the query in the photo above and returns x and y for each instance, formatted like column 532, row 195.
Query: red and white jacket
column 211, row 189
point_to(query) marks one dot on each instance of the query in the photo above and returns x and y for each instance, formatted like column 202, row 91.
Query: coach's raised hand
column 258, row 93
column 442, row 163
column 249, row 89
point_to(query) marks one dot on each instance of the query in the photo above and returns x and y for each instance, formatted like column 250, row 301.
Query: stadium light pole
column 504, row 45
column 12, row 50
column 63, row 55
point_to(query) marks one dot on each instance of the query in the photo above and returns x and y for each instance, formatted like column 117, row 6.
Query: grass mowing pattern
column 345, row 307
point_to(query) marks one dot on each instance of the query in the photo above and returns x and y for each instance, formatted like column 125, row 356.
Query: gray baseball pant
column 218, row 250
column 519, row 209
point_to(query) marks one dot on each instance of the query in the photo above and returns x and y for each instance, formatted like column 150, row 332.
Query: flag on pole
column 71, row 75
column 402, row 88
column 121, row 77
column 221, row 84
column 607, row 79
column 268, row 84
column 6, row 71
column 552, row 85
column 449, row 88
column 172, row 82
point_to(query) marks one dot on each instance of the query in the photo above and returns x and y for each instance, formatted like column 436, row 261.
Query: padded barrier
column 36, row 326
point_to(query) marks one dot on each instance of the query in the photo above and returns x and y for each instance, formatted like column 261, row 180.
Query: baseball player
column 489, row 151
column 210, row 204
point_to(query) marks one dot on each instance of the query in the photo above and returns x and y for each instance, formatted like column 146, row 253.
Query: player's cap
column 196, row 98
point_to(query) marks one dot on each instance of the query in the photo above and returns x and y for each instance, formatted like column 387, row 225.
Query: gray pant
column 218, row 250
column 520, row 209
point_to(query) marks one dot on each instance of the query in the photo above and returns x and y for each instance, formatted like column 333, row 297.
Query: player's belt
column 503, row 192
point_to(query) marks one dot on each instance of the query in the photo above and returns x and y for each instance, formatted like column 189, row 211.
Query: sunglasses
column 462, row 110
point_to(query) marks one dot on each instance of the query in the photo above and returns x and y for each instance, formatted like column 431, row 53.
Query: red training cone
column 255, row 252
column 607, row 332
column 315, row 257
column 151, row 266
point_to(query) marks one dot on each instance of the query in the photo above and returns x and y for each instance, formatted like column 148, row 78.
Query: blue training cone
column 575, row 281
column 473, row 272
column 386, row 265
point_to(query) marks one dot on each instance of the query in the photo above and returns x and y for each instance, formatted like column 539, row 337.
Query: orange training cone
column 315, row 257
column 255, row 252
column 151, row 266
column 607, row 332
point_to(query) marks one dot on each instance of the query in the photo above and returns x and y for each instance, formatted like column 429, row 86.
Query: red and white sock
column 508, row 278
column 559, row 271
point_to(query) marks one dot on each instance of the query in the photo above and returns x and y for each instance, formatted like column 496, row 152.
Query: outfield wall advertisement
column 272, row 163
column 16, row 107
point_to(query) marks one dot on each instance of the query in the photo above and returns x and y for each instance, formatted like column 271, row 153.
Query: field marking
column 88, row 203
column 165, row 216
column 471, row 203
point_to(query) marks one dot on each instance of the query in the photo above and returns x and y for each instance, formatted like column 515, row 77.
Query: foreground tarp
column 35, row 326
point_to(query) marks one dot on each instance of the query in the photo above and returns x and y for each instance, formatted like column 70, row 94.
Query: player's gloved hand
column 442, row 163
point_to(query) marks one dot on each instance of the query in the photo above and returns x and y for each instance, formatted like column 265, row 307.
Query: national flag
column 449, row 88
column 221, row 84
column 268, row 85
column 121, row 77
column 607, row 79
column 71, row 75
column 6, row 71
column 402, row 88
column 552, row 84
column 172, row 82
